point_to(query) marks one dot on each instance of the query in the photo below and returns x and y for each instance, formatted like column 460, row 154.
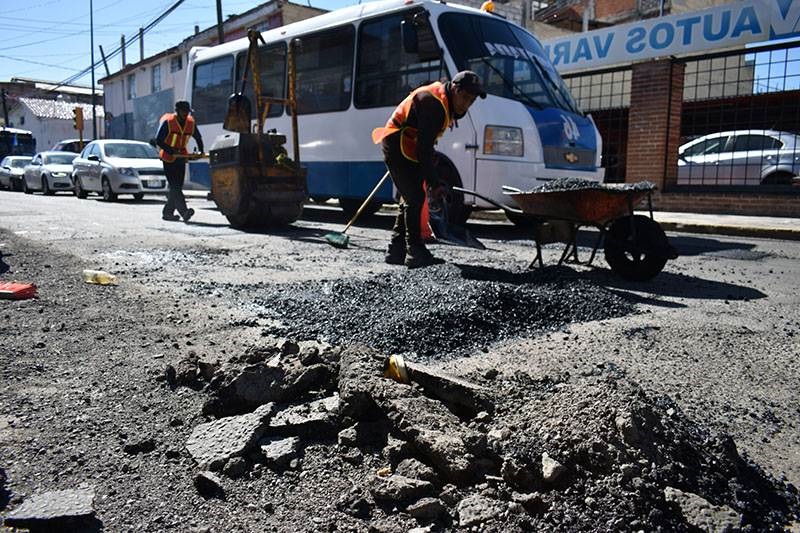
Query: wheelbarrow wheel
column 635, row 248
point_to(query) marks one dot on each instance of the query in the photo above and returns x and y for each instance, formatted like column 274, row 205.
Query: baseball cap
column 467, row 80
column 183, row 104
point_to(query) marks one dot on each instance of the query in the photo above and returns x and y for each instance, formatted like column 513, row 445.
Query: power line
column 118, row 49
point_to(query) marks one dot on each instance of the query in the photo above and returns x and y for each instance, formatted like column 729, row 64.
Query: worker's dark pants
column 176, row 173
column 407, row 177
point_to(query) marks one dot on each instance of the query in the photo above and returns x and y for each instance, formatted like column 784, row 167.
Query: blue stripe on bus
column 554, row 125
column 335, row 179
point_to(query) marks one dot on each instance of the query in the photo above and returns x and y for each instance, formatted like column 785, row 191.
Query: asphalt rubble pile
column 446, row 311
column 495, row 451
column 579, row 184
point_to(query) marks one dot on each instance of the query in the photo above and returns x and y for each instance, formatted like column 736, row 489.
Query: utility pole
column 91, row 39
column 220, row 30
column 122, row 47
column 141, row 44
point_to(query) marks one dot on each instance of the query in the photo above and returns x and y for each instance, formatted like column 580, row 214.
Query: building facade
column 139, row 93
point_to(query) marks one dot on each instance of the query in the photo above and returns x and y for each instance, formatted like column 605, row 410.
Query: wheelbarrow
column 635, row 246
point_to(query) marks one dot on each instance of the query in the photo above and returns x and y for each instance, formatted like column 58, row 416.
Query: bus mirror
column 408, row 36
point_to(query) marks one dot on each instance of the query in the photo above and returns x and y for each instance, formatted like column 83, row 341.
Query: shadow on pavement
column 676, row 286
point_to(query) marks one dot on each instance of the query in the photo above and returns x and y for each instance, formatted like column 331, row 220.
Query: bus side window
column 324, row 70
column 386, row 73
column 272, row 67
column 212, row 85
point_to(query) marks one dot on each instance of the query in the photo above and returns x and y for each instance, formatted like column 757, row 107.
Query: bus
column 14, row 141
column 354, row 65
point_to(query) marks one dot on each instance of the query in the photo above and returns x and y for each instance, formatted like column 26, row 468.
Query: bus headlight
column 502, row 140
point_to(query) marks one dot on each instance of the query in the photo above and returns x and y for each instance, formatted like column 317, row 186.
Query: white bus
column 355, row 64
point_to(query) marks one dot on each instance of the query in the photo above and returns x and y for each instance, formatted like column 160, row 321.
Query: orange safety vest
column 177, row 137
column 408, row 134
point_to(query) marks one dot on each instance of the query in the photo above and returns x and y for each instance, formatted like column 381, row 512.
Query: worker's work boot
column 417, row 255
column 396, row 254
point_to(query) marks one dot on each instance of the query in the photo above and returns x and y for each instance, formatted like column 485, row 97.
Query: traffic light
column 77, row 119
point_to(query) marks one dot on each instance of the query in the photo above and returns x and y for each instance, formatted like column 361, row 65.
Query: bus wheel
column 457, row 212
column 351, row 205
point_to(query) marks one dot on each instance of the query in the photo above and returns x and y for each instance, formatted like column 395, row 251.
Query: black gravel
column 578, row 184
column 439, row 311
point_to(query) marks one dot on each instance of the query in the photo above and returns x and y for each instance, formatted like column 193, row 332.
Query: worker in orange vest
column 173, row 137
column 407, row 141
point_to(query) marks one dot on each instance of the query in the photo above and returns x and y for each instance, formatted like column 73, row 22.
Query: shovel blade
column 239, row 114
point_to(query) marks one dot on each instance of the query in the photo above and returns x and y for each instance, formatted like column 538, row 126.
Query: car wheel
column 108, row 194
column 25, row 188
column 778, row 178
column 46, row 187
column 79, row 190
column 138, row 196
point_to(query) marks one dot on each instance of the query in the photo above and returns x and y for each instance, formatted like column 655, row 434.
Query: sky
column 50, row 39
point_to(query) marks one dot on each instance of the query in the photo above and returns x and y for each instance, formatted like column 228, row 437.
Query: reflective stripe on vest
column 177, row 137
column 408, row 134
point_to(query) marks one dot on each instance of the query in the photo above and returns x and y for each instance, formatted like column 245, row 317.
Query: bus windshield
column 509, row 60
column 16, row 143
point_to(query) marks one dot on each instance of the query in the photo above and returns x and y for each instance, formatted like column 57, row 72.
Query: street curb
column 736, row 231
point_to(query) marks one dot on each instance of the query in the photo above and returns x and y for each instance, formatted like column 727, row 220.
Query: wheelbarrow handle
column 505, row 208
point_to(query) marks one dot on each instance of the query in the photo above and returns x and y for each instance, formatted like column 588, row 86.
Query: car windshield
column 130, row 151
column 509, row 60
column 19, row 163
column 59, row 159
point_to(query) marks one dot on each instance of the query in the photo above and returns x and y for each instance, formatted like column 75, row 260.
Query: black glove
column 169, row 150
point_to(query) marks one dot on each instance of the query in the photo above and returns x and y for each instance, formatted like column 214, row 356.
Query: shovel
column 240, row 111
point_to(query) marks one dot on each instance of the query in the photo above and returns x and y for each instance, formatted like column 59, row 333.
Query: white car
column 48, row 172
column 112, row 167
column 11, row 170
column 741, row 157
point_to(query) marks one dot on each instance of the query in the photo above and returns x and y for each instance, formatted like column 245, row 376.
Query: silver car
column 741, row 157
column 115, row 166
column 48, row 172
column 11, row 170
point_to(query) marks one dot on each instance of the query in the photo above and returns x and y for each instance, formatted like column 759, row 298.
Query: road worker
column 173, row 137
column 407, row 141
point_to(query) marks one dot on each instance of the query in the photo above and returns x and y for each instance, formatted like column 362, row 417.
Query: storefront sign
column 727, row 26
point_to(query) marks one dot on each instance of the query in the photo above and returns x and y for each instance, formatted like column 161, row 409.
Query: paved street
column 716, row 332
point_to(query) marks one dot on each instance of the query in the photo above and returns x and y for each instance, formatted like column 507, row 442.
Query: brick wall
column 776, row 205
column 654, row 121
column 612, row 8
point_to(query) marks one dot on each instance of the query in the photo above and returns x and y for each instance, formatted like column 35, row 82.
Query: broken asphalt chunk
column 62, row 510
column 213, row 443
column 317, row 419
column 400, row 489
column 279, row 452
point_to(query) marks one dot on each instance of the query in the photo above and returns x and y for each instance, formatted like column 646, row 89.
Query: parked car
column 115, row 166
column 69, row 145
column 741, row 157
column 48, row 172
column 11, row 170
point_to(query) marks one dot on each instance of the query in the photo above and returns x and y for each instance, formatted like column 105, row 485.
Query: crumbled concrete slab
column 53, row 511
column 213, row 443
